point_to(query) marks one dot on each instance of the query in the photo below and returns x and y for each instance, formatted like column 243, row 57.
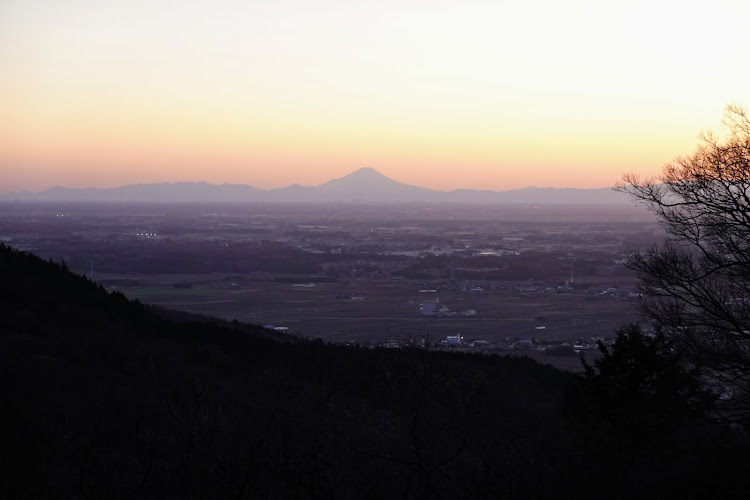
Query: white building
column 429, row 308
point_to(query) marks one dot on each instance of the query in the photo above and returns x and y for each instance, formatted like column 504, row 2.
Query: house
column 454, row 339
column 524, row 344
column 429, row 308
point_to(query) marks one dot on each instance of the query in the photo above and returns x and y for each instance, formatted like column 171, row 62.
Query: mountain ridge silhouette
column 365, row 184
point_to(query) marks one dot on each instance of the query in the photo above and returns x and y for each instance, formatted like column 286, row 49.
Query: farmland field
column 388, row 310
column 360, row 273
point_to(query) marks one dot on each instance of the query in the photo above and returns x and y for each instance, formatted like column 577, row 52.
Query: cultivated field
column 388, row 310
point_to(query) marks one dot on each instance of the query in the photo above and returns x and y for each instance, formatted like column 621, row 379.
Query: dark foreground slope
column 101, row 397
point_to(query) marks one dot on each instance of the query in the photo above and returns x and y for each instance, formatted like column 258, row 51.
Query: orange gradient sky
column 442, row 94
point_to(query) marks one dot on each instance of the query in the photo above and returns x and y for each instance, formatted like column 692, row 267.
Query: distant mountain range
column 365, row 185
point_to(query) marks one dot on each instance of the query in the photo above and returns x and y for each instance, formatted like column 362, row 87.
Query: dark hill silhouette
column 103, row 397
column 366, row 185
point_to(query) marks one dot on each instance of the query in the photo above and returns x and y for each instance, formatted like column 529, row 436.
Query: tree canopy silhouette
column 640, row 388
column 696, row 286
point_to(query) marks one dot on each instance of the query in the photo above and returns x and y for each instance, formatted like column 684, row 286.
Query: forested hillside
column 101, row 397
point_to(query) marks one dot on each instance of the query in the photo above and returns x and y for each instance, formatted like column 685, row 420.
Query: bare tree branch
column 697, row 286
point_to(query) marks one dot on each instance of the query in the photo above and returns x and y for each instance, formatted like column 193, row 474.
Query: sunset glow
column 445, row 95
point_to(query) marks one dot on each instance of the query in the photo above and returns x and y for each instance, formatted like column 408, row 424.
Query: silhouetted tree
column 641, row 388
column 696, row 287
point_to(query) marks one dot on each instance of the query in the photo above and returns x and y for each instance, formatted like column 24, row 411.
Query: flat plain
column 389, row 310
column 357, row 273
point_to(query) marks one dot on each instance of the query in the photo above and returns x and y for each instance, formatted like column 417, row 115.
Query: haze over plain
column 478, row 95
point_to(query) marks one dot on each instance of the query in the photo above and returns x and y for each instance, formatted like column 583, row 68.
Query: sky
column 441, row 94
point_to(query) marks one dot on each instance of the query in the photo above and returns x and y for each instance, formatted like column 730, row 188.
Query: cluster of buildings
column 435, row 308
column 550, row 346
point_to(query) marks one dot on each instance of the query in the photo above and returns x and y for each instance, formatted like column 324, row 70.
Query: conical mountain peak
column 365, row 180
column 365, row 173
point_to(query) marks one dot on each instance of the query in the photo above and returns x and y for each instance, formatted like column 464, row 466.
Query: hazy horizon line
column 268, row 189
